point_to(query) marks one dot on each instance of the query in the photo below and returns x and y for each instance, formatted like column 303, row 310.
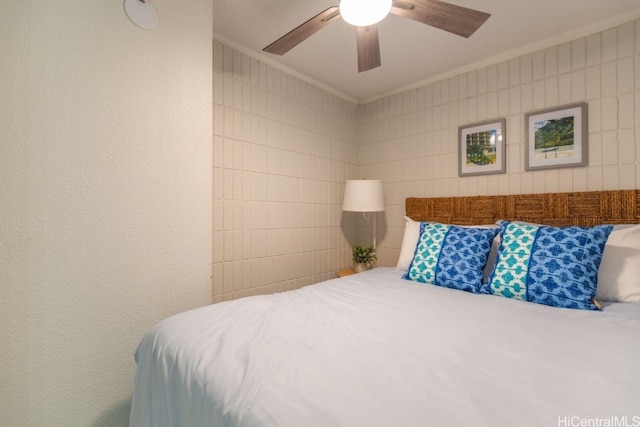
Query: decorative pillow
column 619, row 275
column 556, row 266
column 409, row 242
column 451, row 256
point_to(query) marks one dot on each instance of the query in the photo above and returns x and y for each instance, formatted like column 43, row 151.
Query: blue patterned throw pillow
column 451, row 256
column 556, row 266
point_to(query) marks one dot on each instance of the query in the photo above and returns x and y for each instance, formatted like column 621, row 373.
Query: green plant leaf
column 364, row 255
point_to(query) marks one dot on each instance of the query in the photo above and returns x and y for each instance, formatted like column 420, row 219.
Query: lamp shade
column 363, row 195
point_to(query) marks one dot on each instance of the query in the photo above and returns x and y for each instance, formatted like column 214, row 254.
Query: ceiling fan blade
column 368, row 48
column 302, row 32
column 449, row 17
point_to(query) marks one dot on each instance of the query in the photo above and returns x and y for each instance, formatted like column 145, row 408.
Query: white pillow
column 493, row 254
column 619, row 274
column 412, row 234
column 409, row 242
column 491, row 259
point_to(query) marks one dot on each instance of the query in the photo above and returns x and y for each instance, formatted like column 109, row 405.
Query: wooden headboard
column 583, row 208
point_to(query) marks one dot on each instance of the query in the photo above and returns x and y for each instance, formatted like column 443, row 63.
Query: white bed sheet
column 374, row 350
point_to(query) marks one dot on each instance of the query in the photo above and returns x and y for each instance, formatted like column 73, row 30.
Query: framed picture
column 481, row 148
column 557, row 138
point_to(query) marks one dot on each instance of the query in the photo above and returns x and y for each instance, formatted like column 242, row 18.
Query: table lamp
column 366, row 196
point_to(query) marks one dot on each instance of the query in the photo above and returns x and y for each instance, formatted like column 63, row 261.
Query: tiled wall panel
column 409, row 140
column 282, row 151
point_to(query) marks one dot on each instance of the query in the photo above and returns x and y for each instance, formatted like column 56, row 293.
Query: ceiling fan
column 445, row 16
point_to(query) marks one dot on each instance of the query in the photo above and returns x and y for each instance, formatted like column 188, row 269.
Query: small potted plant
column 364, row 258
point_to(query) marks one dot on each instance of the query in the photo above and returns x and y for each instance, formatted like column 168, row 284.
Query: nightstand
column 346, row 272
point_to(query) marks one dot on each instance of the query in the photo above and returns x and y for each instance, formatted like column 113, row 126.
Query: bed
column 376, row 349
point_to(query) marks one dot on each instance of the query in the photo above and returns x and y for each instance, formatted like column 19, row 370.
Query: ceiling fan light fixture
column 364, row 12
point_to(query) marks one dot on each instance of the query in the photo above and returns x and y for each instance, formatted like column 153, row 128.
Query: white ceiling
column 411, row 52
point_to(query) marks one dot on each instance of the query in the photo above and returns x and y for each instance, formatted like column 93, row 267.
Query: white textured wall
column 282, row 151
column 410, row 139
column 105, row 198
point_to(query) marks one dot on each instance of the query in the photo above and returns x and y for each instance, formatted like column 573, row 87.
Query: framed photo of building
column 482, row 148
column 557, row 137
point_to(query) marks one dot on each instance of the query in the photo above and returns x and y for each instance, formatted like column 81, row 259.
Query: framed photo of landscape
column 481, row 148
column 557, row 138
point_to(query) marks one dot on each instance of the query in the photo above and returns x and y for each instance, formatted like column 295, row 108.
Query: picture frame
column 481, row 148
column 557, row 137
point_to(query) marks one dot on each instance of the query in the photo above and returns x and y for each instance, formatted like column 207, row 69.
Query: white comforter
column 375, row 350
